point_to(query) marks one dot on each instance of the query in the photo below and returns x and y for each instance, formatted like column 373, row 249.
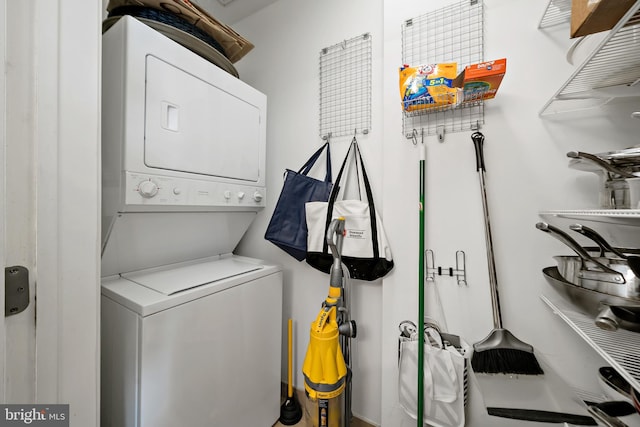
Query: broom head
column 502, row 353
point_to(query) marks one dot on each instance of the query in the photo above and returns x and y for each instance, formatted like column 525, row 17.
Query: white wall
column 526, row 172
column 284, row 64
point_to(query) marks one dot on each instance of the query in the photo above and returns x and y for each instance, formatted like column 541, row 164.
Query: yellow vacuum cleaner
column 327, row 375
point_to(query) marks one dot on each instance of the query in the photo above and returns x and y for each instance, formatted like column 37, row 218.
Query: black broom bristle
column 505, row 361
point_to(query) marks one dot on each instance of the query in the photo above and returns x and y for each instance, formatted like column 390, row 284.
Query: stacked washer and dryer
column 191, row 333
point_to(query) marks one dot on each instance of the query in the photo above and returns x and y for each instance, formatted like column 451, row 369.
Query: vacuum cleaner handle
column 336, row 228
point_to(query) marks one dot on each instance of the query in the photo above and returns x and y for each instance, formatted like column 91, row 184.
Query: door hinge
column 16, row 289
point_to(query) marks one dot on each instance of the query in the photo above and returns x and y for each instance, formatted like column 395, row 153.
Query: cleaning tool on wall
column 438, row 360
column 421, row 251
column 500, row 351
column 325, row 368
column 290, row 411
column 287, row 228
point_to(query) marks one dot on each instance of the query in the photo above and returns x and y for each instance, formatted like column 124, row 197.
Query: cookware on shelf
column 613, row 384
column 619, row 182
column 586, row 274
column 628, row 158
column 604, row 165
column 604, row 274
column 633, row 260
column 593, row 303
column 635, row 397
column 605, row 287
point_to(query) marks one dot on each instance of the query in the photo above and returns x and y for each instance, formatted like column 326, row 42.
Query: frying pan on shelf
column 608, row 311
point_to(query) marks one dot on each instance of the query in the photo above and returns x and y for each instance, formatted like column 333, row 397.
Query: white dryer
column 191, row 333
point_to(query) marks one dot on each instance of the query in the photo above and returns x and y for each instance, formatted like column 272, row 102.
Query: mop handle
column 478, row 142
column 421, row 241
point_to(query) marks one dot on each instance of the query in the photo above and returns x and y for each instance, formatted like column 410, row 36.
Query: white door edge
column 47, row 141
column 3, row 40
column 68, row 61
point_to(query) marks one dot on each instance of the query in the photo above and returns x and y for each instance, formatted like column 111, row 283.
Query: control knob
column 148, row 189
column 257, row 196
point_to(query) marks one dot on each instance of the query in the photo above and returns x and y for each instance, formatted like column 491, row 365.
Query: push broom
column 500, row 352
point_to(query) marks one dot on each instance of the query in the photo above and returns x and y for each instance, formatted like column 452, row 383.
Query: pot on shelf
column 602, row 274
column 619, row 183
column 607, row 275
column 600, row 286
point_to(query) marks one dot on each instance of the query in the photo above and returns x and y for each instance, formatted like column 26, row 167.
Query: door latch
column 16, row 289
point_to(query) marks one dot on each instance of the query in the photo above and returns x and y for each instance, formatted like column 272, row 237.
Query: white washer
column 192, row 345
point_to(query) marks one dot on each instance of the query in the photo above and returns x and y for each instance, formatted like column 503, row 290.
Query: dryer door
column 195, row 126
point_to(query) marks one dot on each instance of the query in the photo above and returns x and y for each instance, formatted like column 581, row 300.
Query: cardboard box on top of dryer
column 593, row 16
column 481, row 81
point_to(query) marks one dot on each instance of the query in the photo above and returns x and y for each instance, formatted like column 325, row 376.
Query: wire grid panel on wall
column 345, row 87
column 451, row 34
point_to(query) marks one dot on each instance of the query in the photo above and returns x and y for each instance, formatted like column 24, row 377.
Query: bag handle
column 304, row 170
column 357, row 155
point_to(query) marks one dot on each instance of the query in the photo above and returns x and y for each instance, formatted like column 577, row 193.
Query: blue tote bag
column 288, row 226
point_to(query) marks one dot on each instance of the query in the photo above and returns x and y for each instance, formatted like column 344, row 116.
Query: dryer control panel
column 156, row 190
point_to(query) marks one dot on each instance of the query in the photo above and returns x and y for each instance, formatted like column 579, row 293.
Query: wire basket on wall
column 345, row 87
column 451, row 34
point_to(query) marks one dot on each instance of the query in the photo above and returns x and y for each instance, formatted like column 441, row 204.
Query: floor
column 307, row 423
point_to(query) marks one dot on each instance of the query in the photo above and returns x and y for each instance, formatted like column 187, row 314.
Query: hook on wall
column 413, row 136
column 459, row 272
column 440, row 132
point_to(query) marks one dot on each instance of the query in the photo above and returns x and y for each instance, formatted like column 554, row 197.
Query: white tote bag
column 365, row 250
column 444, row 380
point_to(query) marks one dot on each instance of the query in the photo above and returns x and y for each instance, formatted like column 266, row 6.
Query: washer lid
column 172, row 281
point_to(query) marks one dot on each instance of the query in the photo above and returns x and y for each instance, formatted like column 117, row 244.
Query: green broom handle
column 421, row 291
